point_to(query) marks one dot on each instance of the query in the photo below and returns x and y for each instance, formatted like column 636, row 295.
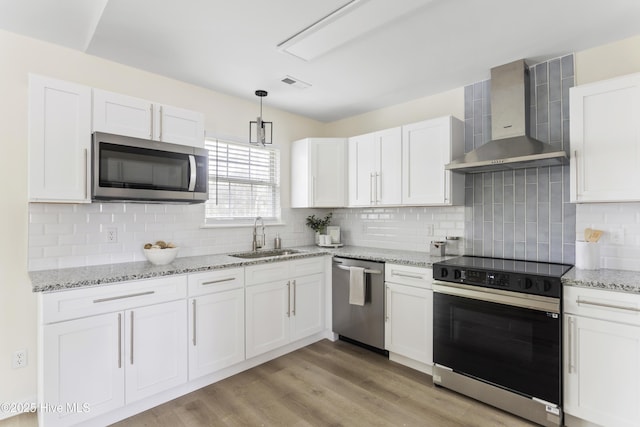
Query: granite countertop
column 606, row 279
column 78, row 277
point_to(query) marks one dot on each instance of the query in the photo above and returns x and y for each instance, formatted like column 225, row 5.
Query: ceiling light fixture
column 262, row 130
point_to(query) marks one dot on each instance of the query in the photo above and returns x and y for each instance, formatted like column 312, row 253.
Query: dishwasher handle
column 366, row 270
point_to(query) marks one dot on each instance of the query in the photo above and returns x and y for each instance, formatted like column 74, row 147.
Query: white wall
column 19, row 56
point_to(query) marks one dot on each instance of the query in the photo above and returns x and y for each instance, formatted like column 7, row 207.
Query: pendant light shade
column 260, row 132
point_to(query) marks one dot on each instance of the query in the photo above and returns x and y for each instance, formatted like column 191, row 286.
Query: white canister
column 587, row 255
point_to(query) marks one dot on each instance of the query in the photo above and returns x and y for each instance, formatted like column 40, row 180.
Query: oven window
column 512, row 347
column 131, row 167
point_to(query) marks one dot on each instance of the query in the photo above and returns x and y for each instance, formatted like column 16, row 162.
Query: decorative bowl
column 161, row 256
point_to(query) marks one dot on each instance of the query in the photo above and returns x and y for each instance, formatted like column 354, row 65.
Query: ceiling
column 377, row 53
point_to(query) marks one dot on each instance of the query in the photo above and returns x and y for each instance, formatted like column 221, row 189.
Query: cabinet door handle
column 313, row 190
column 446, row 195
column 131, row 339
column 411, row 276
column 293, row 312
column 86, row 171
column 378, row 187
column 289, row 298
column 371, row 189
column 575, row 159
column 213, row 282
column 160, row 120
column 571, row 350
column 386, row 305
column 151, row 113
column 119, row 340
column 139, row 294
column 606, row 305
column 193, row 303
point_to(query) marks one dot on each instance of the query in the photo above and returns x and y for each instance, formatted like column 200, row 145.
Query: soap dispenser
column 277, row 243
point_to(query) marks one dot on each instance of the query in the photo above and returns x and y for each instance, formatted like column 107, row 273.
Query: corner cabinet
column 375, row 168
column 284, row 303
column 59, row 141
column 409, row 316
column 605, row 140
column 601, row 357
column 426, row 148
column 319, row 173
column 129, row 116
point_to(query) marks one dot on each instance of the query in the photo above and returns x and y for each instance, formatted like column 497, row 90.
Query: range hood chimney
column 511, row 147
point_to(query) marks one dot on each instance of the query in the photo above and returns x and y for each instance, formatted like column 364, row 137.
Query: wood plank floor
column 324, row 384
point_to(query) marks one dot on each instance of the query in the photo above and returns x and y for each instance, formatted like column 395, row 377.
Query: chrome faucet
column 258, row 243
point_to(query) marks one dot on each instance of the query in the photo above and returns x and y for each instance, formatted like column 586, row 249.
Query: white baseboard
column 411, row 363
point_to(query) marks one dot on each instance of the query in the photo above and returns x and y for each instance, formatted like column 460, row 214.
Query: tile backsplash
column 75, row 235
column 523, row 214
column 405, row 228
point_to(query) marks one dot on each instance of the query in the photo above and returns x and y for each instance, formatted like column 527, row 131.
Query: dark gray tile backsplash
column 523, row 214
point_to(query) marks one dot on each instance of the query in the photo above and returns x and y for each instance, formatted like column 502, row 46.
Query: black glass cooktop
column 507, row 266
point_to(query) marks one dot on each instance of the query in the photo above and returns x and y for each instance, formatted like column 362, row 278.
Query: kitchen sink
column 265, row 254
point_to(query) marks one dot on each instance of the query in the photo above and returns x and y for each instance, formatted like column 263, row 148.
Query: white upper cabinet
column 605, row 140
column 318, row 173
column 426, row 148
column 59, row 141
column 375, row 168
column 129, row 116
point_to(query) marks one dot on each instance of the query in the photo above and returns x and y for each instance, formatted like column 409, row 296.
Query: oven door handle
column 499, row 297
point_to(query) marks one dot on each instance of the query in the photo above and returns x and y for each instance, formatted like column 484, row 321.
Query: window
column 244, row 182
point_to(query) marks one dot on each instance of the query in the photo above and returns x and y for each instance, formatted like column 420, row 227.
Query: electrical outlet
column 19, row 359
column 616, row 236
column 112, row 235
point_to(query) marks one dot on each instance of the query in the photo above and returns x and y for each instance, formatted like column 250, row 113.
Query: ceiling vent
column 297, row 83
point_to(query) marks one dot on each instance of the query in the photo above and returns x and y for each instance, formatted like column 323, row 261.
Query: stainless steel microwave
column 141, row 170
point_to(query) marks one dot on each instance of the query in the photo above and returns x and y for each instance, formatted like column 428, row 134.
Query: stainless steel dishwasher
column 363, row 324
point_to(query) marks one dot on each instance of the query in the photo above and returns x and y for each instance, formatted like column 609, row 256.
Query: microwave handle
column 194, row 175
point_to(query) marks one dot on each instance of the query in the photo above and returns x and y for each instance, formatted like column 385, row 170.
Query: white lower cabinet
column 216, row 321
column 93, row 365
column 155, row 349
column 409, row 316
column 287, row 307
column 83, row 363
column 601, row 357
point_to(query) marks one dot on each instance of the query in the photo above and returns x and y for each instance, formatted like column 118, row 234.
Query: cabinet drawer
column 601, row 304
column 75, row 303
column 215, row 281
column 269, row 272
column 408, row 275
column 307, row 266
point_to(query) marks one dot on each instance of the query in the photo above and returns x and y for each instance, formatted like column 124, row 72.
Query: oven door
column 508, row 339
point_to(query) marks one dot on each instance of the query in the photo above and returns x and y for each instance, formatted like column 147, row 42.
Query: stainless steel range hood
column 511, row 147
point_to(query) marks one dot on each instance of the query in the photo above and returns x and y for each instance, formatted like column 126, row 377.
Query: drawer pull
column 606, row 305
column 139, row 294
column 213, row 282
column 119, row 340
column 411, row 276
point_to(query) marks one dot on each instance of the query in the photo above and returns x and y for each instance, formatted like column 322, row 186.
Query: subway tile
column 542, row 132
column 543, row 185
column 468, row 102
column 541, row 74
column 543, row 252
column 555, row 122
column 532, row 203
column 542, row 104
column 468, row 135
column 567, row 66
column 477, row 91
column 566, row 85
column 555, row 79
column 520, row 251
column 477, row 117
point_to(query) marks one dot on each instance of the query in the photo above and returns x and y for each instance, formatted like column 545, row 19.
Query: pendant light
column 260, row 132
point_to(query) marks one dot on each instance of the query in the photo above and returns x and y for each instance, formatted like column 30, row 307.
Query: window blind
column 244, row 182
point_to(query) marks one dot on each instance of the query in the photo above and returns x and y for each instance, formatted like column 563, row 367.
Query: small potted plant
column 319, row 225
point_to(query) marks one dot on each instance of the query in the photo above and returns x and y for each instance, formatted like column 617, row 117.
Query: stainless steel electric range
column 497, row 333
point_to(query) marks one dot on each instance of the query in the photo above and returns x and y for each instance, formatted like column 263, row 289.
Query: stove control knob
column 457, row 274
column 543, row 285
column 444, row 272
column 528, row 283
